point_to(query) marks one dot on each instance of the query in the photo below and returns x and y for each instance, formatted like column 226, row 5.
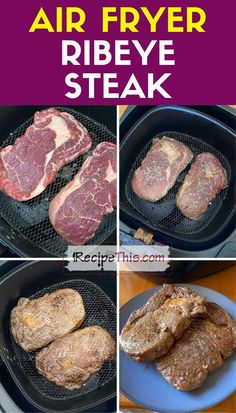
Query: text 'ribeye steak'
column 54, row 139
column 78, row 209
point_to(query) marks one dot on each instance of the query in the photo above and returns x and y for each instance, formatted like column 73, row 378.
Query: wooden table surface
column 131, row 284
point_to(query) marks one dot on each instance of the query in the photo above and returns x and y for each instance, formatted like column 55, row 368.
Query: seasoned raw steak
column 71, row 360
column 200, row 351
column 78, row 209
column 159, row 171
column 204, row 181
column 151, row 331
column 35, row 323
column 28, row 166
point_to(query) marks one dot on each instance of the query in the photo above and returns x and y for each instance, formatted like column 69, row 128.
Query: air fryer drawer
column 29, row 279
column 202, row 133
column 25, row 226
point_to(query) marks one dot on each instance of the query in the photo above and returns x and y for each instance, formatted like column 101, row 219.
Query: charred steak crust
column 205, row 179
column 71, row 360
column 160, row 169
column 36, row 323
column 78, row 209
column 151, row 331
column 54, row 139
column 200, row 351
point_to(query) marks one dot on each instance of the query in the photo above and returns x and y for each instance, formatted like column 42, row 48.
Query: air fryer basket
column 164, row 212
column 30, row 218
column 100, row 310
column 201, row 134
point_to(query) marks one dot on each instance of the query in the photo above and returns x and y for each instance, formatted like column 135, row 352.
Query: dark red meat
column 78, row 209
column 54, row 139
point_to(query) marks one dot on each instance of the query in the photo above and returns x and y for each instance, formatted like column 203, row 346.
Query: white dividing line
column 117, row 249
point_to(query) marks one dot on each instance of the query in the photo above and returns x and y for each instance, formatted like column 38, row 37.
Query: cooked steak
column 54, row 139
column 78, row 209
column 160, row 169
column 151, row 331
column 71, row 360
column 200, row 351
column 35, row 323
column 204, row 181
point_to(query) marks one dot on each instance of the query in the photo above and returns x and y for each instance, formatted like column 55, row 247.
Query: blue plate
column 142, row 383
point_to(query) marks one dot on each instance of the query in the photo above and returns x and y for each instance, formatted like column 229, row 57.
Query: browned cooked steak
column 152, row 330
column 204, row 181
column 200, row 351
column 35, row 323
column 71, row 360
column 160, row 169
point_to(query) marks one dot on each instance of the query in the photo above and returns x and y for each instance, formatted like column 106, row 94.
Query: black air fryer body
column 30, row 277
column 214, row 128
column 188, row 271
column 12, row 238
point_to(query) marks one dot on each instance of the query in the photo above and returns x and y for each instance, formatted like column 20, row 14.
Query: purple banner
column 32, row 70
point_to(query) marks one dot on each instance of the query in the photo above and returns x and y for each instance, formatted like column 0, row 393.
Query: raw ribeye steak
column 204, row 181
column 160, row 169
column 78, row 209
column 54, row 139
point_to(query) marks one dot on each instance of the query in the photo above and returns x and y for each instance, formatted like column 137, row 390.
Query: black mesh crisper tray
column 99, row 311
column 164, row 213
column 30, row 218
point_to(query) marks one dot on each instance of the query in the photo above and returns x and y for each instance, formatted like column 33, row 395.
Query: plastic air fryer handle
column 127, row 239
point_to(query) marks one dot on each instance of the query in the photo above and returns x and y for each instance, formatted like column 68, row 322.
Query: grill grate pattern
column 30, row 218
column 99, row 311
column 164, row 213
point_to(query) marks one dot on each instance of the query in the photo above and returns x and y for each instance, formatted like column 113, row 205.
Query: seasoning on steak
column 35, row 323
column 71, row 360
column 151, row 331
column 54, row 139
column 200, row 351
column 204, row 181
column 160, row 169
column 78, row 209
